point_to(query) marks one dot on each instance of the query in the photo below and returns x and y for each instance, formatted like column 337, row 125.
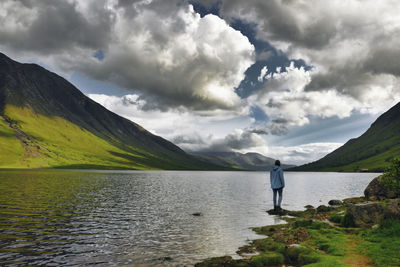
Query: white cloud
column 284, row 99
column 351, row 45
column 162, row 49
column 263, row 72
column 237, row 141
column 176, row 123
column 302, row 153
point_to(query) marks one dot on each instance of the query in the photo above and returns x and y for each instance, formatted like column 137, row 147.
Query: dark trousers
column 279, row 191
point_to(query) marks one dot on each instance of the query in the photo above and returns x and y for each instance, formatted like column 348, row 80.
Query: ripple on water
column 127, row 217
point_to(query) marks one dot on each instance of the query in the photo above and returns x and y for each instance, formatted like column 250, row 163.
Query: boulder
column 366, row 214
column 335, row 202
column 323, row 208
column 392, row 209
column 376, row 190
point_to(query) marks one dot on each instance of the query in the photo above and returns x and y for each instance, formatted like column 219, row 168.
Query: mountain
column 46, row 122
column 372, row 151
column 248, row 161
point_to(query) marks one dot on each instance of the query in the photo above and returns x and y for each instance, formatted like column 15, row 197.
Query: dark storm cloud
column 48, row 26
column 280, row 21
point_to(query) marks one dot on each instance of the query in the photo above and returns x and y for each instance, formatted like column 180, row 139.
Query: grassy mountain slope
column 46, row 122
column 373, row 150
column 248, row 161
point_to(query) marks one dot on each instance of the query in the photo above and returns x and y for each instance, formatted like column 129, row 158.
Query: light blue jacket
column 276, row 177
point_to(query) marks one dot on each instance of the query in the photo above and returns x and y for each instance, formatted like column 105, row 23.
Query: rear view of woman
column 277, row 184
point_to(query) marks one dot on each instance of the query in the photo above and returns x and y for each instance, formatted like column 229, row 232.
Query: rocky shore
column 363, row 231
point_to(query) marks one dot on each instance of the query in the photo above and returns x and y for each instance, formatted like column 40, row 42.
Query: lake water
column 140, row 218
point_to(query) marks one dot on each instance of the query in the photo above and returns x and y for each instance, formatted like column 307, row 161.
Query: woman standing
column 277, row 184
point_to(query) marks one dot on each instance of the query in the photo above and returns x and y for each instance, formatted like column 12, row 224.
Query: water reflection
column 123, row 218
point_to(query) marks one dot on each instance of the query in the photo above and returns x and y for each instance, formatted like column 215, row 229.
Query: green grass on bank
column 308, row 241
column 11, row 149
column 382, row 245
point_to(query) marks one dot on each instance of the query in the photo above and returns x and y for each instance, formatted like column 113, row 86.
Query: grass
column 308, row 240
column 382, row 245
column 38, row 141
column 11, row 149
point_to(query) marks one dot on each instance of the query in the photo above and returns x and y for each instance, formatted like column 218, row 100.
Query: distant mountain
column 248, row 161
column 46, row 122
column 372, row 151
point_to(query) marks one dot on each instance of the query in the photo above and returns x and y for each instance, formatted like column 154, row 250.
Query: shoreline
column 322, row 236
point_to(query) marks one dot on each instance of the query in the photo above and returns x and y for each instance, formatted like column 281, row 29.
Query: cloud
column 237, row 141
column 284, row 98
column 176, row 122
column 48, row 27
column 163, row 50
column 263, row 72
column 302, row 153
column 352, row 46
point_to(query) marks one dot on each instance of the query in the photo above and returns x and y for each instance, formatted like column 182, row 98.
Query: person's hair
column 277, row 162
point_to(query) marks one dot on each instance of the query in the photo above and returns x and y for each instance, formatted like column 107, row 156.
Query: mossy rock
column 336, row 218
column 324, row 208
column 308, row 258
column 268, row 244
column 348, row 220
column 267, row 259
column 215, row 262
column 293, row 253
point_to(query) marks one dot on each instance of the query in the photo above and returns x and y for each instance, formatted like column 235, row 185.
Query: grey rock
column 366, row 214
column 335, row 202
column 323, row 208
column 376, row 190
column 392, row 209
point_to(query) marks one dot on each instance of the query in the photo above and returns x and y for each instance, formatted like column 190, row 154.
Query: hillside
column 372, row 151
column 46, row 122
column 248, row 161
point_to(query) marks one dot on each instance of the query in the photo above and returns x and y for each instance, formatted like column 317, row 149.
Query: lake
column 146, row 217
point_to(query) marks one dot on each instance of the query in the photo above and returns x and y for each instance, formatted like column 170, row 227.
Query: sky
column 288, row 79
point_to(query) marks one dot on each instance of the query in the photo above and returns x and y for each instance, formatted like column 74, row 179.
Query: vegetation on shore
column 313, row 238
column 325, row 236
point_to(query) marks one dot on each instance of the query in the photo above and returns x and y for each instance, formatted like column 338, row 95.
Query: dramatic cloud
column 352, row 47
column 284, row 99
column 48, row 27
column 181, row 71
column 162, row 49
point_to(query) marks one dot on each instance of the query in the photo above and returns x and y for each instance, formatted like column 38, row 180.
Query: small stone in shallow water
column 335, row 202
column 197, row 214
column 167, row 258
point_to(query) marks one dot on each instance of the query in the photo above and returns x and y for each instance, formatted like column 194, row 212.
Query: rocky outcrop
column 376, row 190
column 366, row 214
column 371, row 213
column 392, row 210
